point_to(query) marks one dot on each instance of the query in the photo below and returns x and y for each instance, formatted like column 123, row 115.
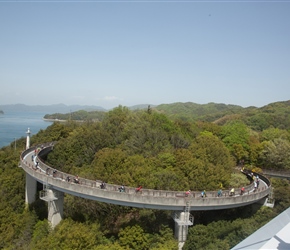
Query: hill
column 275, row 115
column 144, row 147
column 271, row 115
column 192, row 111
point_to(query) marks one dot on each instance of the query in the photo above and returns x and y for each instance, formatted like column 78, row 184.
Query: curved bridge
column 147, row 198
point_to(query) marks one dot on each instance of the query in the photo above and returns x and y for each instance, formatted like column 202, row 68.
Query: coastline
column 53, row 120
column 13, row 126
column 58, row 120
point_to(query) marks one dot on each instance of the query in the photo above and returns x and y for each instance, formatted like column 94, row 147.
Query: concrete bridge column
column 55, row 206
column 181, row 227
column 30, row 189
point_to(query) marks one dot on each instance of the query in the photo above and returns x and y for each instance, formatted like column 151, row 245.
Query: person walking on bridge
column 122, row 189
column 255, row 186
column 138, row 189
column 103, row 185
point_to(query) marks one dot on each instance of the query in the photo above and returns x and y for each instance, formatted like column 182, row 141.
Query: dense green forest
column 272, row 115
column 158, row 150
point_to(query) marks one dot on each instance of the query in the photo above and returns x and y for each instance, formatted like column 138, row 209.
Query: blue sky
column 110, row 53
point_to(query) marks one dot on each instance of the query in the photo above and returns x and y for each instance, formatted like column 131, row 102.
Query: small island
column 1, row 112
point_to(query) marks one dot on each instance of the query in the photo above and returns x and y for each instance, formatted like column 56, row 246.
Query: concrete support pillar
column 263, row 201
column 181, row 229
column 30, row 189
column 55, row 206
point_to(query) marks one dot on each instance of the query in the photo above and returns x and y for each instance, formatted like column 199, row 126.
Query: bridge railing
column 277, row 172
column 48, row 146
column 158, row 199
column 49, row 171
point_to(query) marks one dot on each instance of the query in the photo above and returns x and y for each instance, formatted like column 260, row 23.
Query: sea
column 14, row 125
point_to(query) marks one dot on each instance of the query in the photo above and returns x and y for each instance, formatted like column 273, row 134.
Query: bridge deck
column 147, row 198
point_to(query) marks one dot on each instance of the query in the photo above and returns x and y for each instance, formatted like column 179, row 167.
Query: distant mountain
column 192, row 111
column 275, row 115
column 61, row 108
column 55, row 108
column 1, row 112
column 272, row 115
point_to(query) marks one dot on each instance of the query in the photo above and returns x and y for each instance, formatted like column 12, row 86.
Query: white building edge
column 274, row 235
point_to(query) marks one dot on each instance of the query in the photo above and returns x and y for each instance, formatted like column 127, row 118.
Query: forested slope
column 272, row 115
column 151, row 149
column 275, row 115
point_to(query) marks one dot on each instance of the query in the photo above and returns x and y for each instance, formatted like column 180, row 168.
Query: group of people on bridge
column 188, row 193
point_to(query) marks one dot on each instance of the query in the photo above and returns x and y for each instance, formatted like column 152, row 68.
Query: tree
column 274, row 133
column 115, row 122
column 108, row 163
column 276, row 154
column 68, row 235
column 133, row 237
column 235, row 135
column 164, row 240
column 213, row 160
column 149, row 134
